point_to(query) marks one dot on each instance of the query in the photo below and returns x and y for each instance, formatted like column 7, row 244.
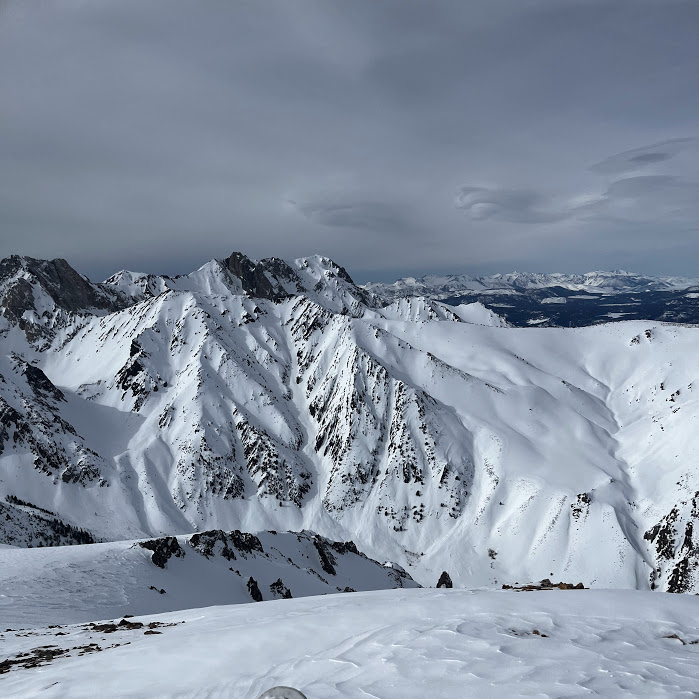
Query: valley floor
column 388, row 644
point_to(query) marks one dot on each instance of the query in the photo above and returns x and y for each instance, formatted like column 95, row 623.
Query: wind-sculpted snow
column 393, row 644
column 434, row 437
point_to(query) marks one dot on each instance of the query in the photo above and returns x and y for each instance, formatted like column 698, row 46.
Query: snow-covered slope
column 73, row 584
column 394, row 644
column 272, row 395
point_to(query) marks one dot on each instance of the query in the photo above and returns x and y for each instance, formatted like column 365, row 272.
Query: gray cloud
column 639, row 158
column 157, row 135
column 512, row 205
column 373, row 216
column 662, row 200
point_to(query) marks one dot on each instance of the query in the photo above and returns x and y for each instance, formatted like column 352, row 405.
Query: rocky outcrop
column 545, row 584
column 676, row 552
column 42, row 296
column 254, row 590
column 68, row 290
column 445, row 580
column 163, row 549
column 264, row 279
column 327, row 560
column 244, row 543
column 40, row 384
column 279, row 590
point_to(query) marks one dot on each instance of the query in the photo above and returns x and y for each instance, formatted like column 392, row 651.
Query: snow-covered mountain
column 278, row 395
column 450, row 285
column 559, row 300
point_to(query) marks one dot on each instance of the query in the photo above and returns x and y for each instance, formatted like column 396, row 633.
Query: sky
column 397, row 137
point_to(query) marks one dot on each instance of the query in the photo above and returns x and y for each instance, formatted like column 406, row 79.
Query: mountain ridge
column 433, row 436
column 449, row 285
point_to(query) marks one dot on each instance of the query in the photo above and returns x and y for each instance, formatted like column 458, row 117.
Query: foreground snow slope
column 394, row 644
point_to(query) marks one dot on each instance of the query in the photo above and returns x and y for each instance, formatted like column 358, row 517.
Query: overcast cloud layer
column 397, row 137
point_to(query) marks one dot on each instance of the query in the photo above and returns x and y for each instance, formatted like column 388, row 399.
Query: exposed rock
column 30, row 421
column 280, row 590
column 40, row 384
column 444, row 580
column 343, row 547
column 34, row 658
column 581, row 506
column 65, row 292
column 263, row 279
column 327, row 560
column 163, row 549
column 242, row 542
column 677, row 556
column 545, row 584
column 123, row 625
column 254, row 590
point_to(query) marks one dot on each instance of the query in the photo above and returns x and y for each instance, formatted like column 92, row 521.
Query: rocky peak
column 42, row 295
column 68, row 289
column 270, row 278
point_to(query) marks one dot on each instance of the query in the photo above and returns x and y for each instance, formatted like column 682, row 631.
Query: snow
column 480, row 315
column 283, row 400
column 435, row 438
column 72, row 584
column 395, row 644
column 442, row 287
column 428, row 435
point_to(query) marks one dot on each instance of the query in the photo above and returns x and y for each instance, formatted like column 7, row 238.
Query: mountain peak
column 271, row 278
column 34, row 292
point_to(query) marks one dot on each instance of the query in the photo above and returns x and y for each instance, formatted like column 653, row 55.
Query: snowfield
column 395, row 644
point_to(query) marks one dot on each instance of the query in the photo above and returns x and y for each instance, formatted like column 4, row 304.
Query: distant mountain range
column 577, row 300
column 273, row 395
column 619, row 281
